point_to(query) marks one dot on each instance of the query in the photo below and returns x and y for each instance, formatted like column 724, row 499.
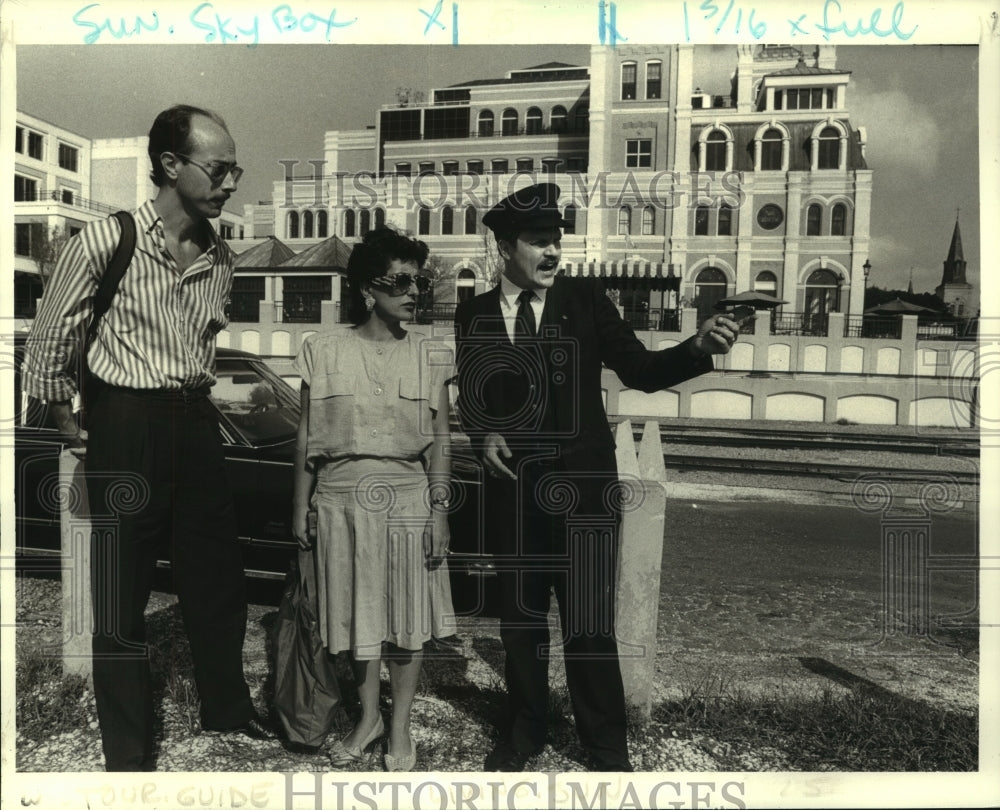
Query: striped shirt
column 160, row 330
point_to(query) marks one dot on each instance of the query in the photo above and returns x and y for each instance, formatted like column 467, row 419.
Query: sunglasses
column 216, row 171
column 400, row 283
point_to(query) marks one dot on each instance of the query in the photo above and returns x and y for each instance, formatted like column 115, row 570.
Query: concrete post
column 75, row 531
column 639, row 560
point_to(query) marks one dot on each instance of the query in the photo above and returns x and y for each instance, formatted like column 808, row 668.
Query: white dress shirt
column 509, row 292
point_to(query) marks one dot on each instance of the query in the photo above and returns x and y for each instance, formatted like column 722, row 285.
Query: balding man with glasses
column 151, row 425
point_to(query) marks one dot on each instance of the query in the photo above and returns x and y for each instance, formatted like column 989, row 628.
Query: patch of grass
column 860, row 729
column 48, row 702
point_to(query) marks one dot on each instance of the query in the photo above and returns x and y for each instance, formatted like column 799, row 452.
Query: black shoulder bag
column 106, row 290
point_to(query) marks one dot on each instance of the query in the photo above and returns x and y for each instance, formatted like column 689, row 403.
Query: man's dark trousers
column 155, row 467
column 556, row 531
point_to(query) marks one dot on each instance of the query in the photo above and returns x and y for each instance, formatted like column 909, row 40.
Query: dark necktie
column 524, row 324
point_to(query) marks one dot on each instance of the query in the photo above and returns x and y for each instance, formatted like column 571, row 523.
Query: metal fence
column 47, row 195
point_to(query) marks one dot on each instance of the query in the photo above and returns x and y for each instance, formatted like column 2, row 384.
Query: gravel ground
column 461, row 688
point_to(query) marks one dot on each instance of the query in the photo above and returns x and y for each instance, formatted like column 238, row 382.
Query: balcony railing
column 800, row 323
column 866, row 326
column 655, row 320
column 47, row 195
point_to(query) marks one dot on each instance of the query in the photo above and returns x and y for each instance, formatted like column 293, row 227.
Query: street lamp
column 867, row 268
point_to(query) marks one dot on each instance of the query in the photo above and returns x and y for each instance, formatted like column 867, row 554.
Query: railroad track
column 928, row 444
column 810, row 469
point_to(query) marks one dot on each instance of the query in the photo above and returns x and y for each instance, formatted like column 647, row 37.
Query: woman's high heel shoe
column 342, row 755
column 404, row 763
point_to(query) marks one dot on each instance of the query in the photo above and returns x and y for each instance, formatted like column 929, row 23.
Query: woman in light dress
column 372, row 461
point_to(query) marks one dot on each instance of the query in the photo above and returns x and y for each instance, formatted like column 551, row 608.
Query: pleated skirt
column 374, row 583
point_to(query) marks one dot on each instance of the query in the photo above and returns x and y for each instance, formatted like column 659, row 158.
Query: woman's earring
column 369, row 301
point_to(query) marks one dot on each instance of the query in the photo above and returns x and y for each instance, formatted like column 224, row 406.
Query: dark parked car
column 259, row 414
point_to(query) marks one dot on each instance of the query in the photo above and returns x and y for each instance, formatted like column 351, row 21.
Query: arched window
column 838, row 220
column 533, row 121
column 348, row 223
column 307, row 224
column 379, row 218
column 498, row 165
column 648, row 221
column 465, row 285
column 709, row 286
column 447, row 220
column 628, row 80
column 701, row 220
column 770, row 150
column 822, row 297
column 474, row 167
column 814, row 216
column 321, row 224
column 365, row 222
column 293, row 224
column 767, row 282
column 524, row 164
column 404, row 169
column 715, row 151
column 485, row 123
column 425, row 167
column 569, row 215
column 725, row 220
column 509, row 122
column 582, row 118
column 828, row 156
column 624, row 221
column 423, row 220
column 557, row 118
column 470, row 219
column 550, row 164
column 653, row 82
column 449, row 168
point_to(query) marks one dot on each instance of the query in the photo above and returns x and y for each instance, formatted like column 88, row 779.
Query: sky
column 918, row 105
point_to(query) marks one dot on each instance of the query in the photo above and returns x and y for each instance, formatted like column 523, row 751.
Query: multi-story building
column 51, row 201
column 62, row 181
column 675, row 195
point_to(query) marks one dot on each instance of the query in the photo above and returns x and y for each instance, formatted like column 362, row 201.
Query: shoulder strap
column 117, row 265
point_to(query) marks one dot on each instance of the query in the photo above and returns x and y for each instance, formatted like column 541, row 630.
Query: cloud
column 902, row 133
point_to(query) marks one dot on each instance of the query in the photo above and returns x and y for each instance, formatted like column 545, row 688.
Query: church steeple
column 954, row 290
column 954, row 265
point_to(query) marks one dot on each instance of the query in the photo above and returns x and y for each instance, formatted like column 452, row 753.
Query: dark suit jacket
column 549, row 393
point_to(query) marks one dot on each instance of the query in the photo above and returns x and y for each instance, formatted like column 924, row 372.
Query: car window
column 259, row 405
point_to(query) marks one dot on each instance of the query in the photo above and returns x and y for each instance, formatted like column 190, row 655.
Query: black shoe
column 504, row 757
column 605, row 765
column 256, row 728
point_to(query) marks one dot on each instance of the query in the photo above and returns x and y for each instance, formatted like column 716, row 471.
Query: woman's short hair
column 171, row 132
column 371, row 258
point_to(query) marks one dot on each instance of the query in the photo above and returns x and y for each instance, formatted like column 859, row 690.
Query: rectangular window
column 67, row 196
column 653, row 79
column 303, row 296
column 22, row 238
column 639, row 153
column 35, row 146
column 25, row 189
column 69, row 157
column 244, row 301
column 19, row 140
column 628, row 81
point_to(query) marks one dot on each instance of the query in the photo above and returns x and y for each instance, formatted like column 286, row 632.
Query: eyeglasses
column 216, row 171
column 400, row 283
